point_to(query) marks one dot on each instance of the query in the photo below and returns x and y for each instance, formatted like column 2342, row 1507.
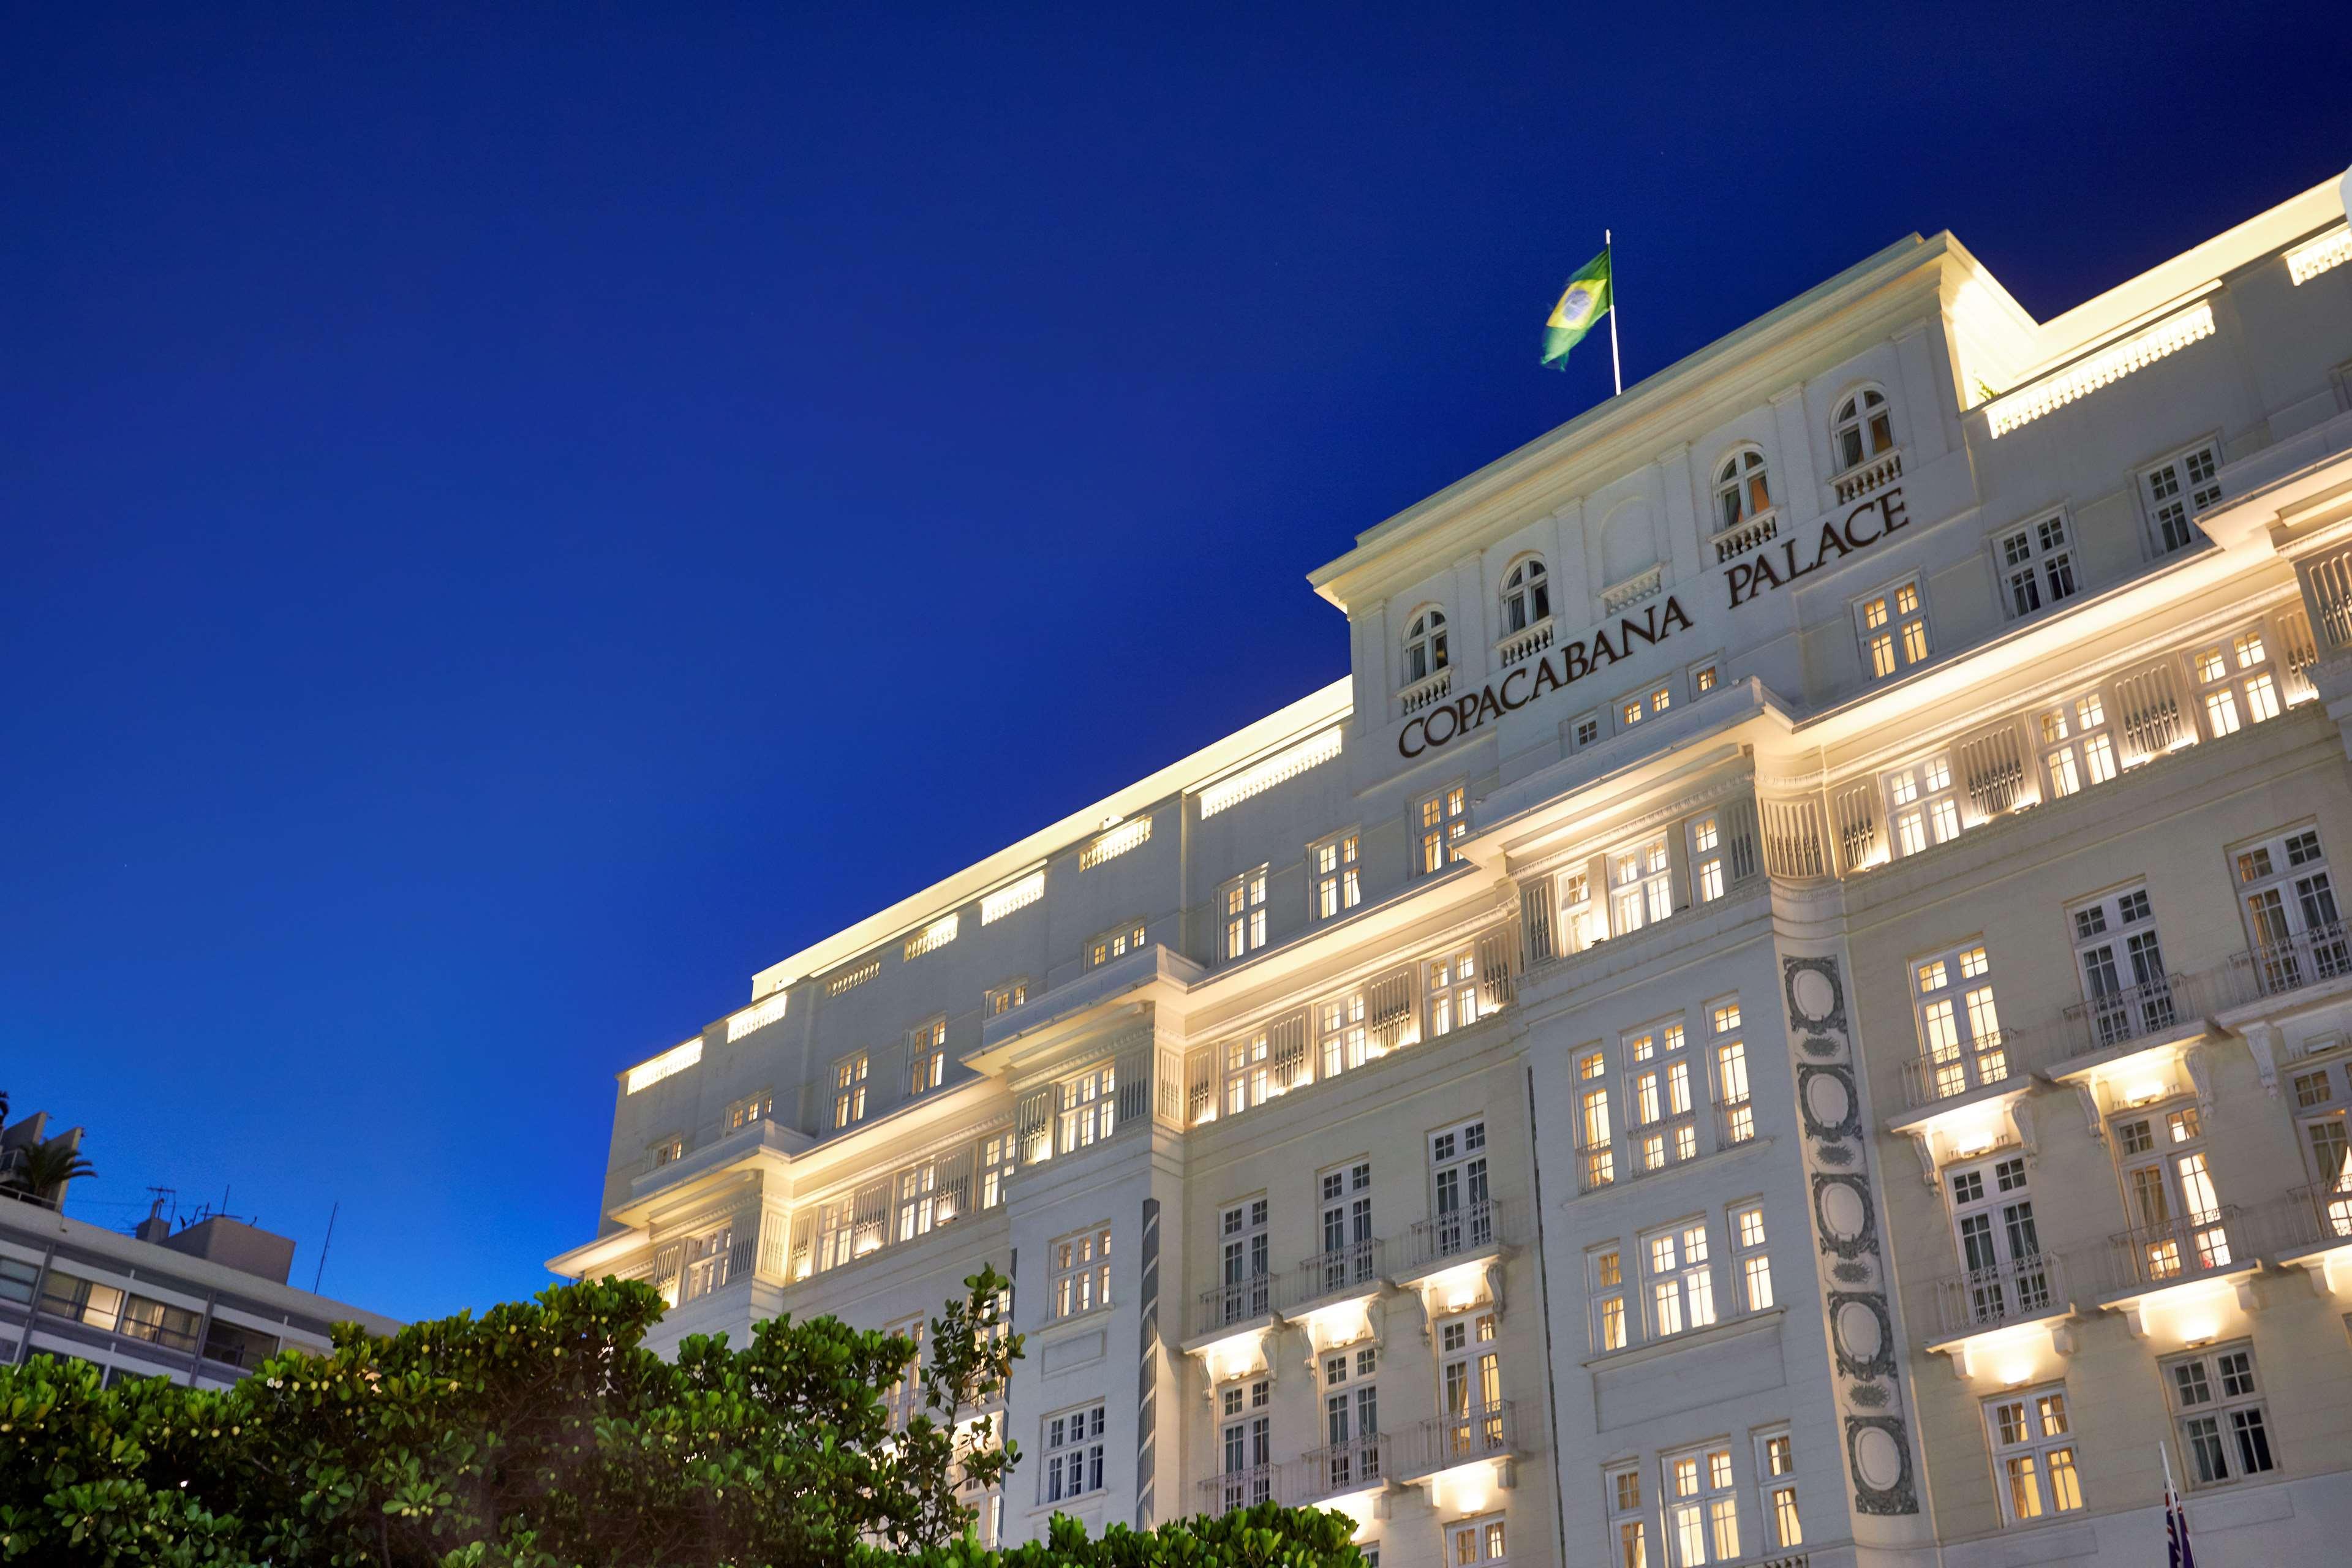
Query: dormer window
column 1526, row 596
column 1742, row 488
column 1424, row 646
column 1864, row 428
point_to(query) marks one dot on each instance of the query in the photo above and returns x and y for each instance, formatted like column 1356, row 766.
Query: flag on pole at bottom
column 1584, row 302
column 2178, row 1553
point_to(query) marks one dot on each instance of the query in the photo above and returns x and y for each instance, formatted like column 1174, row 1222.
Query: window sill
column 1714, row 1334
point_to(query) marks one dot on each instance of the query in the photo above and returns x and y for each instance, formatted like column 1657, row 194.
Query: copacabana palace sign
column 1862, row 527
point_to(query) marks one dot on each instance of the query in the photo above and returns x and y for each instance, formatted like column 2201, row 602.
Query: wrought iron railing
column 2005, row 1293
column 1990, row 1060
column 1476, row 1432
column 1346, row 1270
column 1230, row 1306
column 1456, row 1233
column 2186, row 1248
column 1231, row 1490
column 2134, row 1013
column 2307, row 958
column 1351, row 1466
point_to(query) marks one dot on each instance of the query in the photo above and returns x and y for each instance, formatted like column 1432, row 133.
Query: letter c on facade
column 1411, row 725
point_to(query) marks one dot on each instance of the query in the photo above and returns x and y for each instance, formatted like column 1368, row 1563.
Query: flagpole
column 1616, row 368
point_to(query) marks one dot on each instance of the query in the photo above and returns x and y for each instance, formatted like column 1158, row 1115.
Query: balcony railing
column 1524, row 644
column 1734, row 1122
column 2307, row 958
column 1349, row 1270
column 1866, row 479
column 2135, row 1013
column 1460, row 1233
column 1428, row 691
column 1238, row 1489
column 1478, row 1431
column 2174, row 1250
column 1230, row 1306
column 1987, row 1061
column 2007, row 1292
column 1748, row 533
column 1342, row 1467
column 1596, row 1167
column 2317, row 1214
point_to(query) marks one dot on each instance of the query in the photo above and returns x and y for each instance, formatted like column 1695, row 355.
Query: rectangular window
column 1702, row 1508
column 1452, row 987
column 1583, row 730
column 1003, row 999
column 2034, row 1454
column 999, row 1154
column 905, row 1396
column 1470, row 1386
column 1735, row 1110
column 2179, row 1226
column 1705, row 679
column 1960, row 1027
column 1597, row 1154
column 2037, row 565
column 1074, row 1454
column 1893, row 626
column 1475, row 1542
column 2079, row 750
column 1629, row 1525
column 849, row 1091
column 1640, row 889
column 927, row 1056
column 1242, row 900
column 1351, row 1421
column 1118, row 944
column 1923, row 806
column 1753, row 1264
column 1999, row 1242
column 1443, row 823
column 2224, row 1425
column 2236, row 682
column 1089, row 1108
column 2127, row 989
column 1246, row 1463
column 1341, row 1042
column 760, row 1107
column 1347, row 1257
column 1338, row 879
column 1681, row 1283
column 2176, row 491
column 1658, row 1096
column 1578, row 918
column 1776, row 1467
column 1081, row 1273
column 1604, row 1276
column 1245, row 1265
column 2293, row 930
column 1461, row 1215
column 1706, row 858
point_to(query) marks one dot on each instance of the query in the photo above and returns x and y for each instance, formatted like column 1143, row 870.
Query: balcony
column 1526, row 644
column 2312, row 1228
column 1480, row 1432
column 1868, row 479
column 2308, row 958
column 2171, row 1006
column 2001, row 1296
column 2151, row 1258
column 1350, row 1271
column 1461, row 1235
column 1337, row 1471
column 1237, row 1488
column 1988, row 1064
column 1748, row 533
column 1426, row 692
column 1241, row 1306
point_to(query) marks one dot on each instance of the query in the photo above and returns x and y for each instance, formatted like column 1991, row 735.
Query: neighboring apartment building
column 202, row 1305
column 1792, row 1006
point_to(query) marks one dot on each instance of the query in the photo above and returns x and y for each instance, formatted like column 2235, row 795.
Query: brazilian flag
column 1586, row 300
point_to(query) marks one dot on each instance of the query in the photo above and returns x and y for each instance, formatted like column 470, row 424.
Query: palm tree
column 46, row 1168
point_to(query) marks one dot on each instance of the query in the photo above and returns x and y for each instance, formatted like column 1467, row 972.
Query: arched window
column 1742, row 488
column 1864, row 428
column 1527, row 595
column 1424, row 646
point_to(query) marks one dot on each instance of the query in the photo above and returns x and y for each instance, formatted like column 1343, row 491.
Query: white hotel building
column 1792, row 1007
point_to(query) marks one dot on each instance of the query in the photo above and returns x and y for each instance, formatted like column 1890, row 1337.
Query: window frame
column 2218, row 1403
column 1525, row 598
column 2036, row 1445
column 1424, row 647
column 1441, row 821
column 851, row 1076
column 1672, row 1278
column 1116, row 942
column 1084, row 1448
column 1779, row 1519
column 1335, row 875
column 1709, row 1505
column 2173, row 494
column 1742, row 487
column 2078, row 744
column 1077, row 1273
column 1867, row 413
column 927, row 1056
column 2029, row 562
column 1242, row 911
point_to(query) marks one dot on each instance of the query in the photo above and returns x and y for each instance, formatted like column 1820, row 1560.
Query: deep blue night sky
column 514, row 521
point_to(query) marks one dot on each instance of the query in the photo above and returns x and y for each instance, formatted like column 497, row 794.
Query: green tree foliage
column 545, row 1436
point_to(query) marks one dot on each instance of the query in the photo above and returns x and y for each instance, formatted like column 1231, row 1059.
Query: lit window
column 1605, row 1286
column 2037, row 565
column 1088, row 1113
column 1338, row 879
column 1003, row 999
column 1960, row 1025
column 1081, row 1273
column 999, row 1154
column 1703, row 679
column 1735, row 1110
column 2033, row 1453
column 1424, row 646
column 1113, row 944
column 927, row 1056
column 1742, row 488
column 1526, row 596
column 2238, row 680
column 2176, row 491
column 1706, row 858
column 1775, row 1462
column 2081, row 750
column 1453, row 991
column 849, row 1091
column 1640, row 887
column 1862, row 429
column 1754, row 1266
column 1894, row 630
column 1925, row 808
column 1629, row 1524
column 1243, row 903
column 668, row 1152
column 1445, row 822
column 756, row 1108
column 1593, row 1133
column 1702, row 1508
column 1472, row 1541
column 1343, row 1043
column 1681, row 1283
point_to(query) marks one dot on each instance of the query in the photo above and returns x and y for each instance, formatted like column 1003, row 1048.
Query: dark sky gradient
column 514, row 521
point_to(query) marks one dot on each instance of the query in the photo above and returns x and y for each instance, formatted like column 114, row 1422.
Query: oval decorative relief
column 1858, row 1333
column 1843, row 1212
column 1825, row 1094
column 1877, row 1458
column 1811, row 990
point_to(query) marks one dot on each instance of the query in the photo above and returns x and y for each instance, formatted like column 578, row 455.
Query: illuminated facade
column 1792, row 1006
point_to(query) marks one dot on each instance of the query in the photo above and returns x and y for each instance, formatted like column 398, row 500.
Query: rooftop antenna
column 322, row 1272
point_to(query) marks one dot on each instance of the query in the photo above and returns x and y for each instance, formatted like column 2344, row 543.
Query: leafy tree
column 543, row 1435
